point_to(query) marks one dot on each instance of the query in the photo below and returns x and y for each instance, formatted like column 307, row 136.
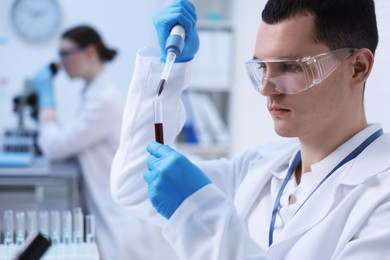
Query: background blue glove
column 179, row 12
column 171, row 178
column 43, row 85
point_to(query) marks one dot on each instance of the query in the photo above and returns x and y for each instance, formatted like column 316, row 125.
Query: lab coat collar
column 366, row 165
column 247, row 193
column 314, row 210
column 280, row 172
column 322, row 168
column 327, row 164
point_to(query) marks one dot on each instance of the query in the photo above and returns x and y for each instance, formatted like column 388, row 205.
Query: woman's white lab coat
column 93, row 136
column 346, row 218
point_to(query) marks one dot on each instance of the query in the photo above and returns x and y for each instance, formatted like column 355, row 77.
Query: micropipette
column 173, row 48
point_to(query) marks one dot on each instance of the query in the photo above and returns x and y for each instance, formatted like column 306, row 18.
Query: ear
column 363, row 61
column 91, row 50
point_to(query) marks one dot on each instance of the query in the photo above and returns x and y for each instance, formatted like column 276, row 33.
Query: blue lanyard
column 294, row 165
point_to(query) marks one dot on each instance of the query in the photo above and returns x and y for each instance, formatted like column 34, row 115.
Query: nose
column 268, row 87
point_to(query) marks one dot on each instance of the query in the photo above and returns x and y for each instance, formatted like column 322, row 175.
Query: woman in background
column 93, row 137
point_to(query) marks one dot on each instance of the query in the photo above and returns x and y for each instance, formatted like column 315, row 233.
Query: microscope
column 22, row 139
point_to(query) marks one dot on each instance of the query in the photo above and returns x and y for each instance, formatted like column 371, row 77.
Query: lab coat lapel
column 247, row 193
column 312, row 212
column 316, row 208
column 373, row 160
column 255, row 181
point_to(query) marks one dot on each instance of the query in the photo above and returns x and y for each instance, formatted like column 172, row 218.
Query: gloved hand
column 171, row 178
column 43, row 85
column 179, row 12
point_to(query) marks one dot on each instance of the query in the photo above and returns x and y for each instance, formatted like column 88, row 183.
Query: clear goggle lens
column 294, row 75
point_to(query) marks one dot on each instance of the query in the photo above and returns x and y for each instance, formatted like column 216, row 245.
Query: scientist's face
column 316, row 109
column 73, row 58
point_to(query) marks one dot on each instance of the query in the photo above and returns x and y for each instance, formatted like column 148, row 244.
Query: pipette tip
column 160, row 88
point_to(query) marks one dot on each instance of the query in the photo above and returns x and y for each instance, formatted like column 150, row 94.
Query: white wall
column 124, row 25
column 251, row 123
column 378, row 89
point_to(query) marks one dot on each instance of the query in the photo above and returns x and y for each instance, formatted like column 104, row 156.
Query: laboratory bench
column 43, row 185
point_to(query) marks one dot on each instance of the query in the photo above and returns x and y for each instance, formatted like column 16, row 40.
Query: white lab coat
column 93, row 136
column 346, row 218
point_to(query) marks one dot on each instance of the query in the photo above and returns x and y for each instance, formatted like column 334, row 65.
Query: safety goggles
column 294, row 75
column 66, row 53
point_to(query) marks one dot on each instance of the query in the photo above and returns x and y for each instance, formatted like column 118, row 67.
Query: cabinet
column 207, row 100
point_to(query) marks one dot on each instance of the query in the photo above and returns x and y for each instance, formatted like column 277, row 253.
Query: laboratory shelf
column 210, row 88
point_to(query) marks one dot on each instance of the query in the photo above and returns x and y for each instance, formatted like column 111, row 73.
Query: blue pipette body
column 173, row 48
column 175, row 41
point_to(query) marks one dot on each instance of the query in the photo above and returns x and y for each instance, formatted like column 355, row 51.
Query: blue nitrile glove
column 171, row 178
column 179, row 12
column 43, row 85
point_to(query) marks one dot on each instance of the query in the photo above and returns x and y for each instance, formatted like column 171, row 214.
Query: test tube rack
column 64, row 229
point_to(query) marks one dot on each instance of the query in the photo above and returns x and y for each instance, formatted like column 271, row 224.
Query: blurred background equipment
column 21, row 139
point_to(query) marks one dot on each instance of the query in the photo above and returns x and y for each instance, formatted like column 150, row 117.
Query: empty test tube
column 66, row 227
column 55, row 227
column 78, row 225
column 32, row 222
column 44, row 223
column 8, row 227
column 20, row 227
column 90, row 228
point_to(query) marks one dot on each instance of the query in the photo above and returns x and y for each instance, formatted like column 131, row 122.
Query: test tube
column 20, row 227
column 8, row 227
column 90, row 228
column 32, row 222
column 55, row 227
column 44, row 223
column 66, row 227
column 158, row 120
column 78, row 225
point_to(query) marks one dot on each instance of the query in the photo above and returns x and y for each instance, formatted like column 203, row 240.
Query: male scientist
column 321, row 195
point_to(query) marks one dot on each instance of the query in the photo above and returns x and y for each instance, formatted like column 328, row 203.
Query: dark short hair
column 84, row 35
column 338, row 23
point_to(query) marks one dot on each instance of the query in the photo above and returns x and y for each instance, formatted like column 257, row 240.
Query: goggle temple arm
column 326, row 64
